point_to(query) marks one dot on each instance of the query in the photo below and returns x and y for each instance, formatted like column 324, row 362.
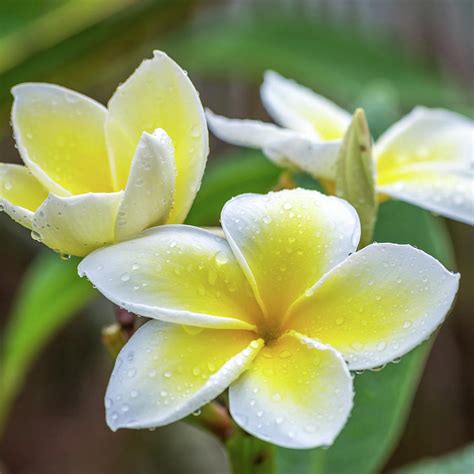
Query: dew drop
column 221, row 257
column 125, row 277
column 381, row 346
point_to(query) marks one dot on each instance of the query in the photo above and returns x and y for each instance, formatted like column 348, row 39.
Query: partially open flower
column 427, row 158
column 280, row 311
column 95, row 176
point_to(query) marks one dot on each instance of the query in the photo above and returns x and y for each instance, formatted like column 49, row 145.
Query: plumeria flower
column 427, row 158
column 279, row 311
column 97, row 175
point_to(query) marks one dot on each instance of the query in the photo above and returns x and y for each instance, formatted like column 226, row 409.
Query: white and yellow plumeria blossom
column 97, row 175
column 427, row 158
column 279, row 311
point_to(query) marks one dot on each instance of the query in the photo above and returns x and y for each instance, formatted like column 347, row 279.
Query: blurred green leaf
column 382, row 399
column 459, row 462
column 355, row 174
column 240, row 172
column 336, row 61
column 50, row 294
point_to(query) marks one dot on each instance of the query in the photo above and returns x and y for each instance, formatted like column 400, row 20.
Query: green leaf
column 382, row 399
column 50, row 294
column 355, row 174
column 336, row 61
column 459, row 462
column 240, row 172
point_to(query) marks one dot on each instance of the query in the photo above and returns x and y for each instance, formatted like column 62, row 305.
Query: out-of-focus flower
column 427, row 158
column 93, row 175
column 280, row 311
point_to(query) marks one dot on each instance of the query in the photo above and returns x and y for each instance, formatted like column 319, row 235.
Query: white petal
column 296, row 394
column 20, row 193
column 378, row 304
column 426, row 135
column 438, row 187
column 159, row 94
column 60, row 137
column 299, row 108
column 248, row 133
column 175, row 273
column 148, row 197
column 77, row 225
column 165, row 373
column 427, row 159
column 317, row 158
column 286, row 241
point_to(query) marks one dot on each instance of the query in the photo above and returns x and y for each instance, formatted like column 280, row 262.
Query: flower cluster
column 280, row 308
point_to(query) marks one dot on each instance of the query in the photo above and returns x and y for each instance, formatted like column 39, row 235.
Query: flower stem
column 116, row 335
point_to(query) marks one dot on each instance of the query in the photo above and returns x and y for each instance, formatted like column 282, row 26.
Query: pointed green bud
column 355, row 174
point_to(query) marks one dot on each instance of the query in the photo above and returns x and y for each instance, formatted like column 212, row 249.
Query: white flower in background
column 279, row 311
column 97, row 175
column 427, row 158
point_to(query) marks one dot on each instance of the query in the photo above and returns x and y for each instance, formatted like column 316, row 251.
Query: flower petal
column 148, row 197
column 378, row 304
column 427, row 159
column 166, row 372
column 248, row 133
column 299, row 108
column 20, row 193
column 160, row 95
column 442, row 188
column 317, row 158
column 179, row 274
column 286, row 241
column 296, row 394
column 77, row 225
column 425, row 136
column 60, row 136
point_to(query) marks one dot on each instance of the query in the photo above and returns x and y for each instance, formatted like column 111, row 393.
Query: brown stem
column 215, row 418
column 116, row 335
column 126, row 321
column 285, row 181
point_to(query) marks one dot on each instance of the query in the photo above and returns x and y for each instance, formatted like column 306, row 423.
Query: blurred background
column 385, row 55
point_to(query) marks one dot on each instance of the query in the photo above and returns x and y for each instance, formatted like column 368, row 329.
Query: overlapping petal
column 286, row 241
column 20, row 193
column 299, row 108
column 442, row 188
column 248, row 133
column 426, row 136
column 160, row 95
column 77, row 225
column 166, row 372
column 148, row 197
column 60, row 137
column 377, row 305
column 315, row 157
column 427, row 159
column 297, row 393
column 179, row 274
